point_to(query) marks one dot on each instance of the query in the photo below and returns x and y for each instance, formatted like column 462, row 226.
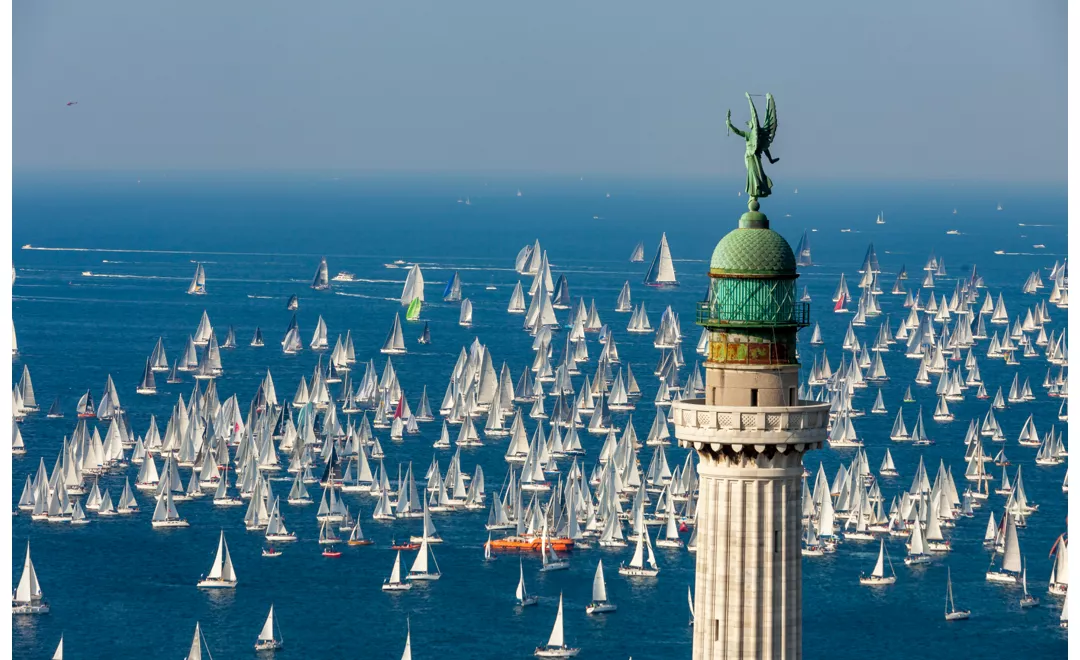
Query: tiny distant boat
column 221, row 574
column 880, row 218
column 524, row 598
column 331, row 552
column 268, row 640
column 556, row 645
column 954, row 211
column 257, row 339
column 951, row 613
column 271, row 552
column 394, row 545
column 345, row 276
column 877, row 577
column 293, row 304
column 321, row 281
column 198, row 282
column 600, row 603
column 425, row 336
column 999, row 206
column 638, row 255
column 28, row 597
column 953, row 232
column 395, row 583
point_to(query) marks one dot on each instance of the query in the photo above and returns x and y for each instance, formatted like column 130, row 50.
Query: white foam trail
column 360, row 295
column 133, row 277
column 251, row 295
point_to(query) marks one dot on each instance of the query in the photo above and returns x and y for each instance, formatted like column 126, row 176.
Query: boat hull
column 216, row 584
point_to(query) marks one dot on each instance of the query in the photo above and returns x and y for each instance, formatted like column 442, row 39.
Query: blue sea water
column 119, row 589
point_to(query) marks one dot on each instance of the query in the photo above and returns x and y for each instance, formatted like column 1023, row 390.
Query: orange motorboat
column 531, row 543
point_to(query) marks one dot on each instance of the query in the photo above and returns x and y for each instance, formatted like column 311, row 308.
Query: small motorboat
column 332, row 552
column 271, row 552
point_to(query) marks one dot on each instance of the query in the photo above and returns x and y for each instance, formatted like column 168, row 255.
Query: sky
column 958, row 90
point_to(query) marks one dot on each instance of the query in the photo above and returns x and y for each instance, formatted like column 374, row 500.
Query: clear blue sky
column 971, row 90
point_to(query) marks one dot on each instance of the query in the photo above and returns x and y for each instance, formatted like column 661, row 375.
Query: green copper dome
column 753, row 249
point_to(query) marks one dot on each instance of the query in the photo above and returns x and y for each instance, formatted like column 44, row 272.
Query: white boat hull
column 216, row 584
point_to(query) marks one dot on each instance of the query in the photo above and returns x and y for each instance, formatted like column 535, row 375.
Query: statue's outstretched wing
column 769, row 128
column 754, row 124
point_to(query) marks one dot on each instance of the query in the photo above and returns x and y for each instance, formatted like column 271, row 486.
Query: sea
column 103, row 260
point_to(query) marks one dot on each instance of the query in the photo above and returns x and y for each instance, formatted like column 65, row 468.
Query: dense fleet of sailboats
column 557, row 498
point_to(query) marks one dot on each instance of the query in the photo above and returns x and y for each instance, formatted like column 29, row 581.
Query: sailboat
column 600, row 603
column 802, row 252
column 197, row 645
column 147, row 386
column 524, row 598
column 414, row 286
column 638, row 255
column 877, row 577
column 58, row 654
column 662, row 271
column 165, row 513
column 321, row 281
column 28, row 597
column 221, row 574
column 556, row 645
column 198, row 282
column 412, row 313
column 420, row 569
column 395, row 341
column 636, row 567
column 257, row 338
column 951, row 613
column 425, row 336
column 465, row 316
column 293, row 304
column 1011, row 564
column 452, row 292
column 55, row 411
column 394, row 582
column 550, row 558
column 267, row 640
column 1027, row 600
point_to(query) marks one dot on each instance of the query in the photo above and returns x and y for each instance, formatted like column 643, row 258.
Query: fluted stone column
column 748, row 593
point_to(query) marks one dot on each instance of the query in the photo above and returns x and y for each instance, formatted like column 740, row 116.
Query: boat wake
column 360, row 295
column 252, row 295
column 132, row 277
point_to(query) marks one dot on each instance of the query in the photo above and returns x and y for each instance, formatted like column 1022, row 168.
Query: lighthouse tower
column 750, row 432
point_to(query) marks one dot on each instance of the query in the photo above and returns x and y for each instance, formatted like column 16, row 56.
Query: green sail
column 413, row 313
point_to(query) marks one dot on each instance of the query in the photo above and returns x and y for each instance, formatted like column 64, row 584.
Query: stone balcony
column 802, row 427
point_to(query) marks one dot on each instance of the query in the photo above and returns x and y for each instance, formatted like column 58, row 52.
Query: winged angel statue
column 758, row 139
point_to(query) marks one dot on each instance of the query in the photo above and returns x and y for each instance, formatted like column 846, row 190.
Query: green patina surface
column 753, row 249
